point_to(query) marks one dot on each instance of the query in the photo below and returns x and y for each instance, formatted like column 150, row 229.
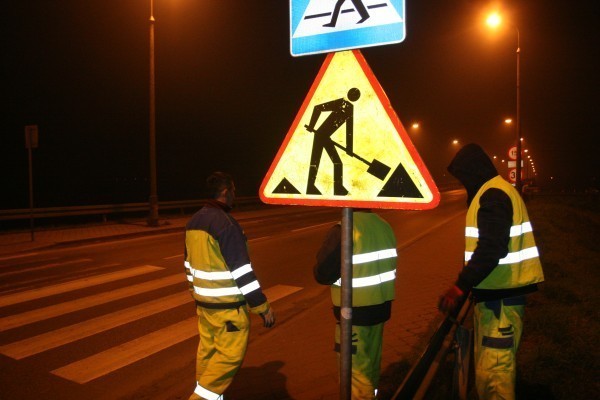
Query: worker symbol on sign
column 341, row 111
column 358, row 4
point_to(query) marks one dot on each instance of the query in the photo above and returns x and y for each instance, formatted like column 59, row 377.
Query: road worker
column 373, row 289
column 502, row 266
column 224, row 286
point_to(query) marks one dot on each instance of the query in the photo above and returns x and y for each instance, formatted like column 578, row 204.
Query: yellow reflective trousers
column 367, row 342
column 498, row 329
column 223, row 343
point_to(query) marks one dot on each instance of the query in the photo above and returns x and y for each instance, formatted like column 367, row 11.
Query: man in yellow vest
column 502, row 265
column 373, row 277
column 224, row 286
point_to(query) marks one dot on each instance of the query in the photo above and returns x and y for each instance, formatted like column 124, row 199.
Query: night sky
column 228, row 90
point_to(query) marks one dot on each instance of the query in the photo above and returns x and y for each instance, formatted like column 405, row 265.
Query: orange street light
column 494, row 20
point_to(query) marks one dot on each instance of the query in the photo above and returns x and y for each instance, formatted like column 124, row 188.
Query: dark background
column 228, row 90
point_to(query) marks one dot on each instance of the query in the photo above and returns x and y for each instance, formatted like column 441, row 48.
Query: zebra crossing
column 108, row 360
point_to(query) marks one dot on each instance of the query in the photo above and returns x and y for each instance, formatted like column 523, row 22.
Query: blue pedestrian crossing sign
column 324, row 26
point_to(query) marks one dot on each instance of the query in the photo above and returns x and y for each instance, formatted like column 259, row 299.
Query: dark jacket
column 472, row 167
column 215, row 220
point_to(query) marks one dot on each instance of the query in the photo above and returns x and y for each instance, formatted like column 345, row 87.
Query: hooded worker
column 501, row 267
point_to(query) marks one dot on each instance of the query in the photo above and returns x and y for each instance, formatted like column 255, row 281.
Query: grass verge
column 559, row 353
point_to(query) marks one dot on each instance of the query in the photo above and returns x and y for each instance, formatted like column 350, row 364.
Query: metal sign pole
column 346, row 306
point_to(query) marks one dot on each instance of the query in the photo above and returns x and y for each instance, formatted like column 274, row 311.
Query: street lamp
column 493, row 21
column 153, row 198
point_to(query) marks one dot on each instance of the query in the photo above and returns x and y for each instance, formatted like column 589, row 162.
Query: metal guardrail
column 419, row 379
column 108, row 209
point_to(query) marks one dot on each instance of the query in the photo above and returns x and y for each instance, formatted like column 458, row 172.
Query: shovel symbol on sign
column 376, row 168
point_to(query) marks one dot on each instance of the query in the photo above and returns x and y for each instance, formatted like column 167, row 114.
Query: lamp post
column 153, row 198
column 494, row 20
column 518, row 183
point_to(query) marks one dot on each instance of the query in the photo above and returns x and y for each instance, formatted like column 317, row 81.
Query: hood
column 472, row 167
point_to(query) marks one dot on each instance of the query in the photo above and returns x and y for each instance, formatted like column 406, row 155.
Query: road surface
column 114, row 320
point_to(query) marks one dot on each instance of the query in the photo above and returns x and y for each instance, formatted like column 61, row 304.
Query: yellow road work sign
column 347, row 147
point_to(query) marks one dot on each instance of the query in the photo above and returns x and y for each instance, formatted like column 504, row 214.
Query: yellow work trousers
column 367, row 342
column 498, row 329
column 223, row 343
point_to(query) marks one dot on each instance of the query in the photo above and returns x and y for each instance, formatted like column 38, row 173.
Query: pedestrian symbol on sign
column 323, row 26
column 358, row 4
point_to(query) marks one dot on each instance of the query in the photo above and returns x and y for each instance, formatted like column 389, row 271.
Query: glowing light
column 494, row 20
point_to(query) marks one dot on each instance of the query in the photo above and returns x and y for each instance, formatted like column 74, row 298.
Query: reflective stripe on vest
column 517, row 230
column 512, row 258
column 521, row 266
column 370, row 280
column 375, row 279
column 207, row 394
column 373, row 262
column 374, row 256
column 221, row 275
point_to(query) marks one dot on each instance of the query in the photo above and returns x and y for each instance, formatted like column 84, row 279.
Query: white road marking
column 314, row 226
column 25, row 270
column 40, row 314
column 35, row 294
column 50, row 340
column 18, row 256
column 110, row 360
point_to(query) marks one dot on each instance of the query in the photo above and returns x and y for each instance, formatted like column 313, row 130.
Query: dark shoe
column 362, row 20
column 330, row 25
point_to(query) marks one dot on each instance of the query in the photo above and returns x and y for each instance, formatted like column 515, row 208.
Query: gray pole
column 153, row 199
column 346, row 306
column 518, row 183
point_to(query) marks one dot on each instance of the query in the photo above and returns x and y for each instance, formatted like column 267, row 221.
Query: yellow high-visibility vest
column 373, row 262
column 521, row 266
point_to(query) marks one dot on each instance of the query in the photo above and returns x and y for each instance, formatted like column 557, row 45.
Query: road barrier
column 111, row 209
column 449, row 336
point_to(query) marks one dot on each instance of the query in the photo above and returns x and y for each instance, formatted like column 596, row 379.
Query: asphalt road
column 114, row 320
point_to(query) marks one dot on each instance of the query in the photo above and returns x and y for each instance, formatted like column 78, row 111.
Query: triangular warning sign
column 347, row 147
